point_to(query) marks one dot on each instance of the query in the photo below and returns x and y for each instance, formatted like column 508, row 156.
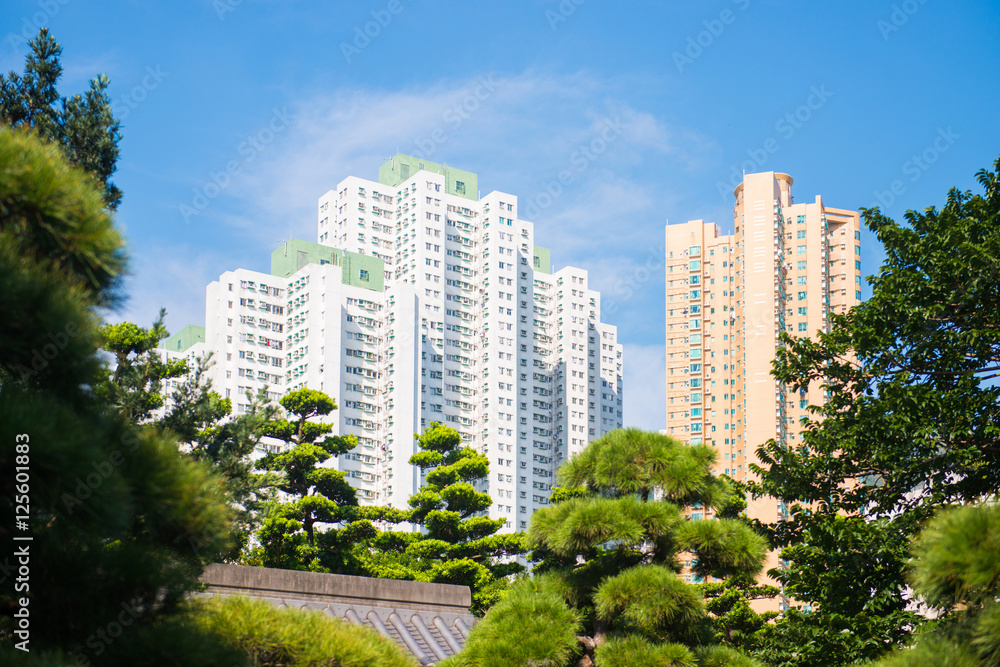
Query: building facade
column 786, row 268
column 422, row 302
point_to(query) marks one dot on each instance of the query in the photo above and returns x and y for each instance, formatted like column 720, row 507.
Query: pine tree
column 609, row 585
column 956, row 572
column 113, row 509
column 82, row 125
column 456, row 543
column 318, row 495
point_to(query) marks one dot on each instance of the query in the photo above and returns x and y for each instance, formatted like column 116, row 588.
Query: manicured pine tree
column 317, row 495
column 457, row 544
column 608, row 590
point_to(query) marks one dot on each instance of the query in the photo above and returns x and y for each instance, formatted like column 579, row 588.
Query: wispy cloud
column 612, row 162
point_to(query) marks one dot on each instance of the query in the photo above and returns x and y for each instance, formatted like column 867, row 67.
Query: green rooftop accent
column 542, row 260
column 401, row 168
column 184, row 339
column 357, row 270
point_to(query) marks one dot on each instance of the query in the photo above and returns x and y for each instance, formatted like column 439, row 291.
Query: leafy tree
column 610, row 549
column 957, row 574
column 912, row 423
column 113, row 508
column 457, row 544
column 289, row 538
column 82, row 125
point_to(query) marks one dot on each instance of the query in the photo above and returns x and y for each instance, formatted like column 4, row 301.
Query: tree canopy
column 105, row 496
column 609, row 587
column 317, row 495
column 456, row 543
column 912, row 423
column 83, row 126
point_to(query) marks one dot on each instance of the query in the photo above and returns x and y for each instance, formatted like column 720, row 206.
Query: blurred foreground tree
column 956, row 572
column 114, row 509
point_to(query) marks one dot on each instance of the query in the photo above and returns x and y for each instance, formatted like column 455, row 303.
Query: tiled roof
column 430, row 621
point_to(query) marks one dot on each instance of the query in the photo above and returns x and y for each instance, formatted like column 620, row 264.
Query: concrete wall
column 344, row 589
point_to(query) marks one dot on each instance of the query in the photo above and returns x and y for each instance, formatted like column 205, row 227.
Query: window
column 363, row 274
column 801, row 266
column 802, row 310
column 802, row 326
column 802, row 280
column 695, row 251
column 460, row 187
column 802, row 296
column 857, row 250
column 801, row 234
column 801, row 250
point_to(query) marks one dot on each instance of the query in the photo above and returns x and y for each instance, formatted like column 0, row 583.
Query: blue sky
column 293, row 96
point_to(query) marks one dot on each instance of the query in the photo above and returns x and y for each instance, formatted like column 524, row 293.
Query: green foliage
column 957, row 573
column 652, row 601
column 272, row 637
column 196, row 417
column 82, row 125
column 609, row 549
column 457, row 545
column 734, row 622
column 912, row 423
column 119, row 519
column 545, row 626
column 319, row 495
column 636, row 651
column 135, row 386
column 723, row 656
column 172, row 641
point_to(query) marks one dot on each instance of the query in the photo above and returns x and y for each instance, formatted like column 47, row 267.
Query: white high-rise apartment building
column 422, row 302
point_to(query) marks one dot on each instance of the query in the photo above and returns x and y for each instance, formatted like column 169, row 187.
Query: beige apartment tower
column 787, row 267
